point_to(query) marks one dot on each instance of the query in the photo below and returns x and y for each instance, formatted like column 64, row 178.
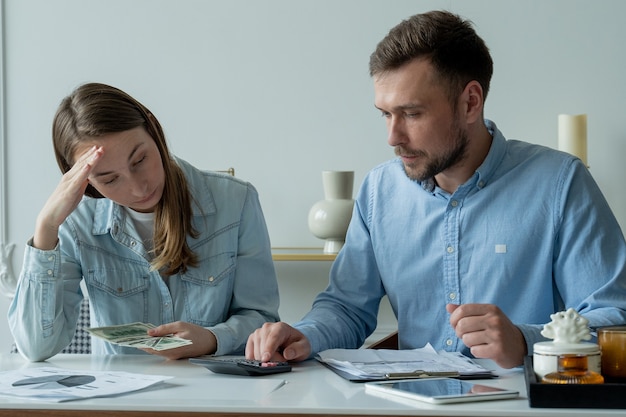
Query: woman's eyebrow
column 130, row 157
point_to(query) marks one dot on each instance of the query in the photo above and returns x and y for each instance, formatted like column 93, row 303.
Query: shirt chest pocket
column 212, row 271
column 122, row 281
column 208, row 290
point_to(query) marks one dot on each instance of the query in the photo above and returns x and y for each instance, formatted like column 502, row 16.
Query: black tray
column 607, row 395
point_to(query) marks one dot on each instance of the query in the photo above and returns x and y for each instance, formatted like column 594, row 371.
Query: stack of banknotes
column 136, row 335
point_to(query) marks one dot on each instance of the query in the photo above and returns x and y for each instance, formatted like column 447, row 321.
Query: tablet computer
column 438, row 390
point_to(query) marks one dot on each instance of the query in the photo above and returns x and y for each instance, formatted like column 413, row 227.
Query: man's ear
column 472, row 100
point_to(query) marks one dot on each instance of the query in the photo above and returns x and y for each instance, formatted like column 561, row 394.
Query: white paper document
column 56, row 384
column 379, row 364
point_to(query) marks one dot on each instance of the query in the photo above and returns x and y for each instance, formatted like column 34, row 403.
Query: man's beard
column 438, row 163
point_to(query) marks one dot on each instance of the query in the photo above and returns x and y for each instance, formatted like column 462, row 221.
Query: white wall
column 279, row 89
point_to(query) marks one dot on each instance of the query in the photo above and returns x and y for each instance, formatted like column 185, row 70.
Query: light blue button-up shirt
column 231, row 292
column 529, row 232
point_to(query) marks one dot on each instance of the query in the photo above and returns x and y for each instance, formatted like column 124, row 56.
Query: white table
column 311, row 389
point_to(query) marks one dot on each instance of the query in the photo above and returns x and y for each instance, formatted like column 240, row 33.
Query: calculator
column 241, row 366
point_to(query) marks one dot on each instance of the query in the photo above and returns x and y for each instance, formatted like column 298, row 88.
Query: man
column 475, row 239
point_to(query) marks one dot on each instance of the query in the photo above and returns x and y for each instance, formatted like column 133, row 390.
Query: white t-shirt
column 144, row 222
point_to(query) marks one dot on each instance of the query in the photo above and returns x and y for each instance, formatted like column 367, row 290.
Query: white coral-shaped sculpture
column 567, row 327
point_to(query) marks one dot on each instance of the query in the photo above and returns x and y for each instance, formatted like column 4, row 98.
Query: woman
column 155, row 240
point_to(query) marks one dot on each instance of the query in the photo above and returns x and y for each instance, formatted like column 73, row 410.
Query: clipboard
column 365, row 365
column 412, row 375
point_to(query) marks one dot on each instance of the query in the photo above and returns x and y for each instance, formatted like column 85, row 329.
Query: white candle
column 573, row 135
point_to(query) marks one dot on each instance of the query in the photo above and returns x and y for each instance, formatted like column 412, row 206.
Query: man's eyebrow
column 408, row 106
column 130, row 156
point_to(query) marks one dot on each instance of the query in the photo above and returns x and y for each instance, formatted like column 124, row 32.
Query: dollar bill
column 165, row 343
column 136, row 335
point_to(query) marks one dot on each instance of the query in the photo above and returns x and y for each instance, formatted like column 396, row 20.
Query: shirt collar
column 494, row 157
column 486, row 170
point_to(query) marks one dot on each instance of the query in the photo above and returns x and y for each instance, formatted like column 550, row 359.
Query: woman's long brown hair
column 94, row 110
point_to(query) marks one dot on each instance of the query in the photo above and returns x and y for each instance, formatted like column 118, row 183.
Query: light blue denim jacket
column 530, row 232
column 231, row 292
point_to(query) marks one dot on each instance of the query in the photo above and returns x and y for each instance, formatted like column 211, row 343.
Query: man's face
column 424, row 128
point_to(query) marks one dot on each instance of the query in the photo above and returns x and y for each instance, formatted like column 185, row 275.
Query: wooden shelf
column 301, row 254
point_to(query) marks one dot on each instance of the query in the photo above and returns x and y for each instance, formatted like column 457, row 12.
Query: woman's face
column 130, row 171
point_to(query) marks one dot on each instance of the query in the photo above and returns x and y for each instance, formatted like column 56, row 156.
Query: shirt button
column 450, row 249
column 211, row 279
column 133, row 243
column 49, row 271
column 452, row 296
column 449, row 342
column 454, row 203
column 481, row 184
column 51, row 258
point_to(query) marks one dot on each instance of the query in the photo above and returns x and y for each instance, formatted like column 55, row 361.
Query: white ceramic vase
column 329, row 218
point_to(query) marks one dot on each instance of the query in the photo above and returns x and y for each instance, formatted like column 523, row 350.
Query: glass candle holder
column 572, row 369
column 612, row 341
column 546, row 354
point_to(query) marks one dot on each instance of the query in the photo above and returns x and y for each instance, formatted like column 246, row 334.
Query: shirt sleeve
column 590, row 252
column 43, row 314
column 255, row 296
column 346, row 313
